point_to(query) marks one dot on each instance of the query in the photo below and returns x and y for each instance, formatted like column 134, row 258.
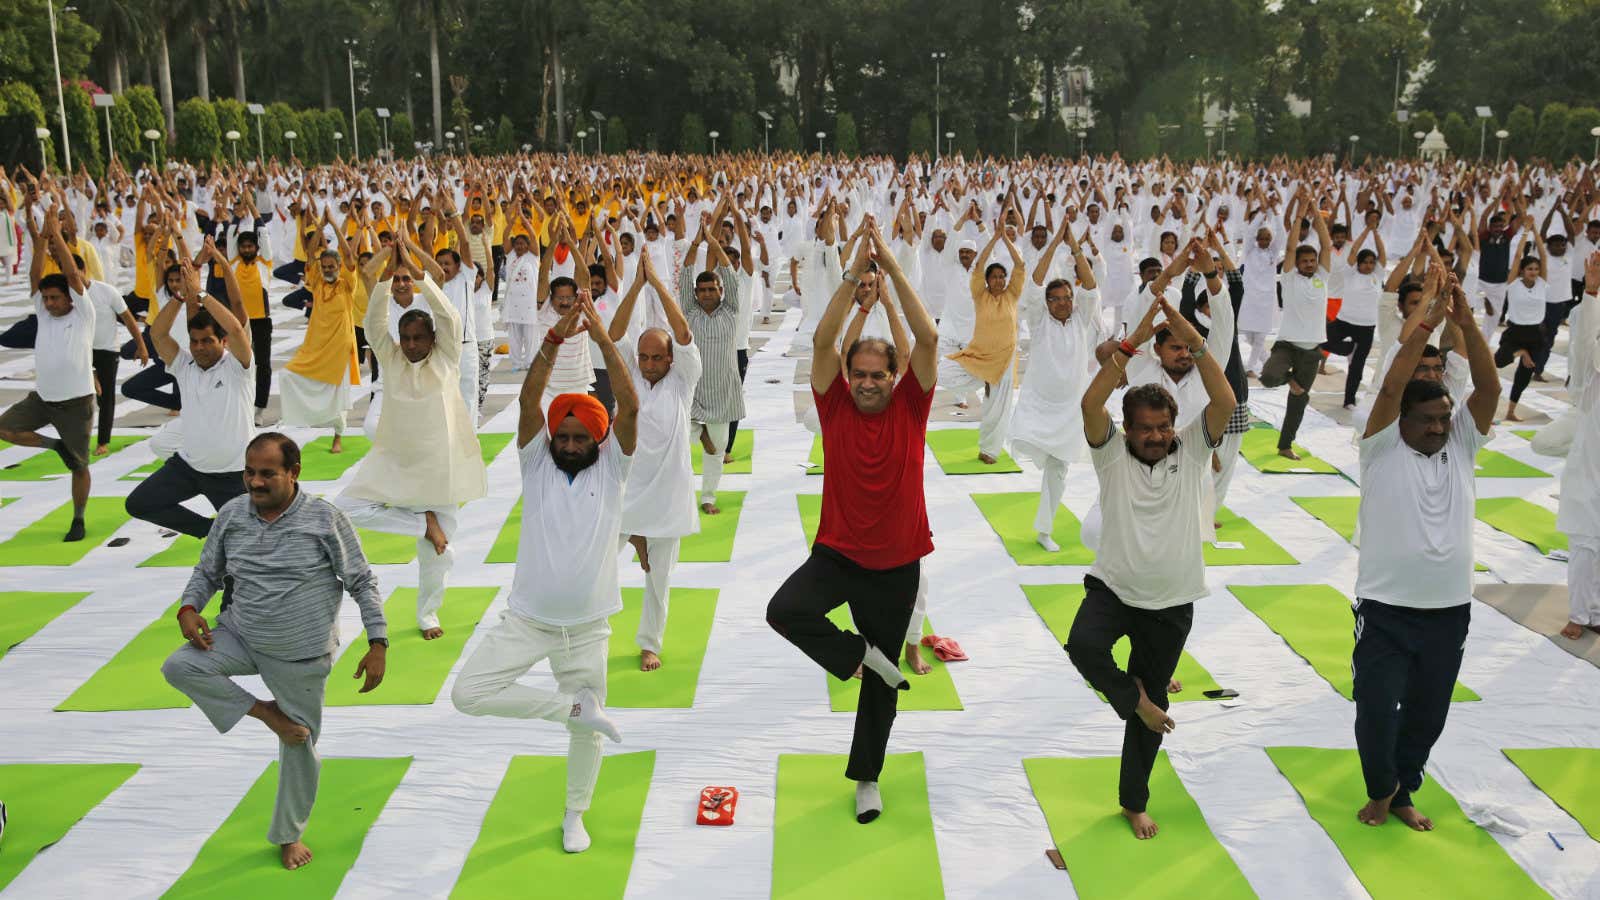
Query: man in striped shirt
column 290, row 557
column 712, row 300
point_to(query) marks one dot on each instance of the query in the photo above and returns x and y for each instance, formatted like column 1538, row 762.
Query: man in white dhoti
column 425, row 460
column 1579, row 516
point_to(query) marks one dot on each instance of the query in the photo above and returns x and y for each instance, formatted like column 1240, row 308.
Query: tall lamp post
column 938, row 100
column 383, row 116
column 61, row 101
column 1354, row 139
column 949, row 142
column 337, row 137
column 290, row 136
column 43, row 134
column 1484, row 115
column 1419, row 135
column 151, row 135
column 1595, row 133
column 599, row 131
column 820, row 136
column 233, row 138
column 1016, row 126
column 258, row 111
column 1500, row 148
column 355, row 130
column 714, row 135
column 450, row 141
column 1401, row 116
column 583, row 135
column 106, row 101
column 766, row 131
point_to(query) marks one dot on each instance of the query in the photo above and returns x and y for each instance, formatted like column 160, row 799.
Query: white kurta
column 1580, row 480
column 521, row 304
column 659, row 501
column 1048, row 420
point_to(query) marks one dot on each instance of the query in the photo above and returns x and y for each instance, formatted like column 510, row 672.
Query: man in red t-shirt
column 874, row 528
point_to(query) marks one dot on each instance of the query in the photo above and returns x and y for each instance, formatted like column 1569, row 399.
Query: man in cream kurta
column 425, row 459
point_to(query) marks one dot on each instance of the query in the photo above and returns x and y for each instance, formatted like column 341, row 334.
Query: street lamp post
column 258, row 111
column 477, row 129
column 766, row 131
column 1354, row 139
column 599, row 131
column 106, row 101
column 450, row 141
column 355, row 130
column 938, row 104
column 820, row 136
column 1082, row 135
column 714, row 136
column 1401, row 116
column 949, row 143
column 151, row 135
column 582, row 136
column 1500, row 148
column 61, row 101
column 1595, row 133
column 383, row 116
column 233, row 138
column 1016, row 125
column 1211, row 132
column 290, row 136
column 1419, row 135
column 43, row 134
column 1484, row 115
column 337, row 137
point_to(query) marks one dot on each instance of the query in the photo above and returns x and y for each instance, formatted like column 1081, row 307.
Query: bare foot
column 434, row 533
column 1511, row 413
column 914, row 659
column 1414, row 820
column 1288, row 453
column 1376, row 812
column 643, row 549
column 288, row 730
column 1572, row 632
column 295, row 854
column 1174, row 686
column 1144, row 827
column 173, row 413
column 986, row 459
column 434, row 633
column 710, row 509
column 961, row 404
column 648, row 661
column 727, row 458
column 102, row 449
column 1154, row 717
column 338, row 444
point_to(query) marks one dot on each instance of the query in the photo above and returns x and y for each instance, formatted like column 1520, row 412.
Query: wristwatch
column 852, row 277
column 382, row 642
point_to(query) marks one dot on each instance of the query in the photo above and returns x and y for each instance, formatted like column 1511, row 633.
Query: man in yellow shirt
column 252, row 272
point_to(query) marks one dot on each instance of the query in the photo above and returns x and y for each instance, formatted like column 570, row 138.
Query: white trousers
column 1260, row 347
column 663, row 556
column 1583, row 579
column 487, row 685
column 1495, row 297
column 433, row 569
column 469, row 381
column 1052, row 485
column 710, row 463
column 995, row 423
column 521, row 342
column 1228, row 453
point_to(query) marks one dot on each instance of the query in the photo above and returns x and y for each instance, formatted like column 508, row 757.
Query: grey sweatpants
column 206, row 677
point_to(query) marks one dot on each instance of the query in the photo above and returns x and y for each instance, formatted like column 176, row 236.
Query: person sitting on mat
column 1155, row 493
column 574, row 468
column 290, row 557
column 1414, row 570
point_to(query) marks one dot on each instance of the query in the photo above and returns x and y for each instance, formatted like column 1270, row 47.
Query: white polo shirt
column 63, row 350
column 1150, row 543
column 1416, row 518
column 217, row 407
column 108, row 307
column 1305, row 307
column 567, row 554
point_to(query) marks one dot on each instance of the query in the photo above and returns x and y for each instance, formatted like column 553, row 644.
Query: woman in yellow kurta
column 989, row 359
column 316, row 382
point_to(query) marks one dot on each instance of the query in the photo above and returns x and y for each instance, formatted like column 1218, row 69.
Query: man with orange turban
column 565, row 587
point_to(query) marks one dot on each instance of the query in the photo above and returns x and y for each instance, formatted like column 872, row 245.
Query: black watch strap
column 381, row 641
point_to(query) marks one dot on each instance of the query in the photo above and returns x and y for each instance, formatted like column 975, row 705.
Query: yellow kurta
column 328, row 353
column 993, row 347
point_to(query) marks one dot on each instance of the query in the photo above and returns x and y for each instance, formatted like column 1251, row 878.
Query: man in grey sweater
column 290, row 557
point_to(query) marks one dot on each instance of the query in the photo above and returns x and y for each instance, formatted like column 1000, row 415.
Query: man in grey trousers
column 289, row 557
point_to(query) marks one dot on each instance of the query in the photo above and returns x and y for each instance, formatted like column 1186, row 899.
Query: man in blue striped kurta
column 712, row 300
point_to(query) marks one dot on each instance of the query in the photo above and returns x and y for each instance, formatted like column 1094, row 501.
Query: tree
column 844, row 134
column 197, row 139
column 505, row 136
column 1241, row 140
column 402, row 135
column 1425, row 121
column 81, row 129
column 1550, row 140
column 919, row 135
column 368, row 128
column 1580, row 143
column 1461, row 137
column 692, row 134
column 1287, row 135
column 742, row 133
column 787, row 136
column 124, row 129
column 1522, row 127
column 616, row 135
column 25, row 46
column 232, row 116
column 1147, row 139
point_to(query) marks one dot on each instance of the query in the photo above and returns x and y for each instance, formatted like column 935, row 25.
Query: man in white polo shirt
column 1155, row 484
column 217, row 384
column 1297, row 354
column 1414, row 576
column 63, row 394
column 565, row 587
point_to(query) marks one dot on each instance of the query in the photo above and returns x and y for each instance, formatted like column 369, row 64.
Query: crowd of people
column 1115, row 310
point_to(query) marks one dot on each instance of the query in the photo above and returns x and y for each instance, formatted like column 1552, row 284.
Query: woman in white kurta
column 425, row 460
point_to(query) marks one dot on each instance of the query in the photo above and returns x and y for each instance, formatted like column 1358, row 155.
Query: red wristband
column 550, row 337
column 1128, row 349
column 1426, row 328
column 189, row 607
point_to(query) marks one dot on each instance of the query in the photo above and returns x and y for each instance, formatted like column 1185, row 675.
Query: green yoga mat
column 1011, row 517
column 1494, row 464
column 1565, row 774
column 810, row 515
column 24, row 613
column 237, row 862
column 518, row 852
column 1315, row 621
column 47, row 463
column 416, row 668
column 744, row 450
column 690, row 612
column 44, row 801
column 1523, row 520
column 505, row 543
column 1340, row 513
column 1455, row 859
column 1258, row 549
column 1259, row 447
column 1525, row 433
column 714, row 542
column 491, row 444
column 1104, row 859
column 933, row 691
column 381, row 549
column 40, row 544
column 814, row 461
column 317, row 464
column 956, row 450
column 1057, row 605
column 132, row 679
column 143, row 471
column 820, row 852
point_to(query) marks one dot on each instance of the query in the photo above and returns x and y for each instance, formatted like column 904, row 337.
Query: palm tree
column 121, row 24
column 433, row 14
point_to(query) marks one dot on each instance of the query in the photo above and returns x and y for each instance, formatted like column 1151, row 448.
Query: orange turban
column 589, row 411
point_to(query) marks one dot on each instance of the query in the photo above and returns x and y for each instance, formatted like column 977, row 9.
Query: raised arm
column 826, row 363
column 625, row 421
column 161, row 328
column 235, row 321
column 1484, row 400
column 1386, row 406
column 924, row 358
column 530, row 418
column 1096, row 418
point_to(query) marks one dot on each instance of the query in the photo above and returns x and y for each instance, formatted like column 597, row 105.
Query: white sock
column 869, row 802
column 587, row 712
column 875, row 660
column 574, row 837
column 1047, row 542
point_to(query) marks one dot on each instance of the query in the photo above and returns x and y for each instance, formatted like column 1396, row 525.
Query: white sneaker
column 574, row 837
column 869, row 801
column 1047, row 542
column 587, row 712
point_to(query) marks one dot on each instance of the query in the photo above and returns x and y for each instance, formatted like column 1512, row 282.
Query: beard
column 573, row 464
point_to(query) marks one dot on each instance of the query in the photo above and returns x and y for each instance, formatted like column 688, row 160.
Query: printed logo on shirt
column 1318, row 283
column 1172, row 468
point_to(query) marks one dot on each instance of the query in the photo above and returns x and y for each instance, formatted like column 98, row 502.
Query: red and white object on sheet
column 717, row 806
